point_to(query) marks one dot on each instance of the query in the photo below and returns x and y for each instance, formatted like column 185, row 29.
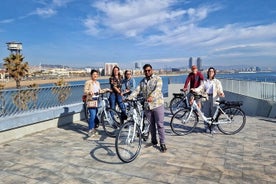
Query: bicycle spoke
column 128, row 142
column 232, row 121
column 183, row 122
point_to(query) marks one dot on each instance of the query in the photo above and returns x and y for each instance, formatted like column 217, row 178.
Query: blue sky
column 165, row 33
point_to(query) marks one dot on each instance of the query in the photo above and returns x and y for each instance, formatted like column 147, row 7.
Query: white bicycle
column 129, row 138
column 228, row 117
column 110, row 119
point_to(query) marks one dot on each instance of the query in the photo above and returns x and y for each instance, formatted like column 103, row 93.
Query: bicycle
column 179, row 101
column 129, row 138
column 228, row 117
column 110, row 119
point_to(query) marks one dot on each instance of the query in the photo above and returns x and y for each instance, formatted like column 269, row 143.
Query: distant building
column 175, row 69
column 199, row 63
column 190, row 62
column 108, row 68
column 137, row 65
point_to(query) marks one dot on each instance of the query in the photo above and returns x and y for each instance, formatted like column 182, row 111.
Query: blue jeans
column 117, row 98
column 93, row 118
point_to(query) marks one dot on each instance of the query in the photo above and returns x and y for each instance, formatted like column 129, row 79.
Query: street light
column 14, row 47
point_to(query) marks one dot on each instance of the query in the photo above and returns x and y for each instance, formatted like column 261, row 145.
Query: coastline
column 11, row 83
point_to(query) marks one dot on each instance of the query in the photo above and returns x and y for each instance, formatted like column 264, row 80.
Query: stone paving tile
column 63, row 155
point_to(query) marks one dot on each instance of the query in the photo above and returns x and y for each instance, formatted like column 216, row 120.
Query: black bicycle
column 179, row 101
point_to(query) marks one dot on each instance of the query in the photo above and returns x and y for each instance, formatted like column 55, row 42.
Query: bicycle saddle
column 231, row 103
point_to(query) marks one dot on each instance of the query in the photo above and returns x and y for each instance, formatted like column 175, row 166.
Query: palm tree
column 16, row 68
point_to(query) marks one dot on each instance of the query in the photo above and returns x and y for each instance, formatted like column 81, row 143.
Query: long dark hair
column 215, row 72
column 113, row 75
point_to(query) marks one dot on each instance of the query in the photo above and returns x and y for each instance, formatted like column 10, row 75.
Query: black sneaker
column 97, row 125
column 163, row 148
column 154, row 143
column 145, row 136
column 124, row 116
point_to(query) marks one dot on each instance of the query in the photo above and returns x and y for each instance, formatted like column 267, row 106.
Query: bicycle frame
column 138, row 117
column 210, row 120
column 102, row 106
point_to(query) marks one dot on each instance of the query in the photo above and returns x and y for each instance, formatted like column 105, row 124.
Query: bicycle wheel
column 176, row 104
column 232, row 121
column 183, row 124
column 111, row 122
column 128, row 142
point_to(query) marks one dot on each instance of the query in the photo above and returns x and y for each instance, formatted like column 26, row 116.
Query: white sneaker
column 95, row 132
column 213, row 132
column 214, row 129
column 90, row 133
column 206, row 127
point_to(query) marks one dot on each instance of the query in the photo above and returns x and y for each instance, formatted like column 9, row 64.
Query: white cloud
column 5, row 21
column 45, row 12
column 91, row 25
column 135, row 17
column 61, row 2
column 49, row 9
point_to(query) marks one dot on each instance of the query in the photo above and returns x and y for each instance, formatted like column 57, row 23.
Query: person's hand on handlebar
column 221, row 94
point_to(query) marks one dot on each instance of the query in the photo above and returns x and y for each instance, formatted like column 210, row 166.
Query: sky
column 164, row 33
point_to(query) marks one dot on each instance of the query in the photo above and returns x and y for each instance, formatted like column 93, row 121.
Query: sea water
column 180, row 79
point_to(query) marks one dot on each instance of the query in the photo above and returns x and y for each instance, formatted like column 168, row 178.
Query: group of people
column 211, row 87
column 150, row 87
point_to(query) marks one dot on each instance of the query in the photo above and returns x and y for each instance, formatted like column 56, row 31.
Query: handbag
column 92, row 103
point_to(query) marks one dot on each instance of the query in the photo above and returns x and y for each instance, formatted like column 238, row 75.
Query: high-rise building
column 190, row 62
column 108, row 68
column 137, row 65
column 199, row 63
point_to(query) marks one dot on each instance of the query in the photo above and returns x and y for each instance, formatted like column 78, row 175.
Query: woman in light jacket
column 91, row 87
column 212, row 88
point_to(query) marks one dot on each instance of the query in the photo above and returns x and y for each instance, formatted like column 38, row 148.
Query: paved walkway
column 61, row 155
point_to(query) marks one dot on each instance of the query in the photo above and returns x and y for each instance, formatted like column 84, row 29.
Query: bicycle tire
column 180, row 125
column 128, row 142
column 176, row 104
column 112, row 123
column 237, row 123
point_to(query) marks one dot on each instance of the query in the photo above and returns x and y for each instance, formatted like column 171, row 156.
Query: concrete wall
column 251, row 106
column 28, row 123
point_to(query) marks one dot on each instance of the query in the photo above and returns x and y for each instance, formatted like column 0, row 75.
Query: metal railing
column 259, row 90
column 18, row 101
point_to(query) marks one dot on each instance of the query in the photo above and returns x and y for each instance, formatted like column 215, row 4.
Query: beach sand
column 11, row 83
